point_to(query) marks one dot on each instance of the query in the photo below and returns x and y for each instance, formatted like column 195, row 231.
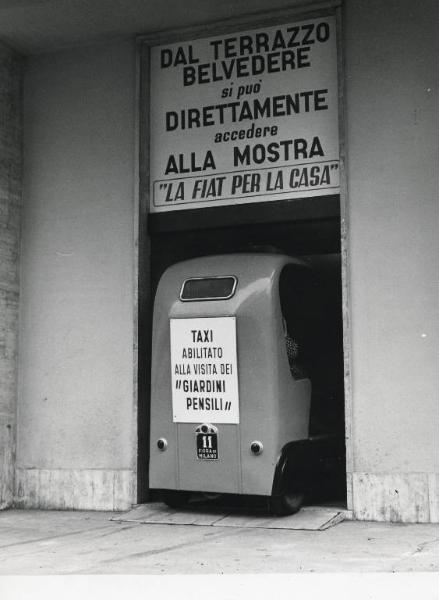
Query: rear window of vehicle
column 208, row 288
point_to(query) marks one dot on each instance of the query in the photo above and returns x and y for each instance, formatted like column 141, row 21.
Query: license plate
column 207, row 446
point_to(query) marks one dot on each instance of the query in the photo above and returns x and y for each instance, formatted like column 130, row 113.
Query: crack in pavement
column 156, row 551
column 115, row 531
column 423, row 545
column 418, row 550
column 53, row 537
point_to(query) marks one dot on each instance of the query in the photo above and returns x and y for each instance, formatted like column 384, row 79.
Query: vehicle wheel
column 286, row 504
column 175, row 498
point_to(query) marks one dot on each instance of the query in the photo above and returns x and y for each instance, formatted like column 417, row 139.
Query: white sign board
column 204, row 370
column 245, row 117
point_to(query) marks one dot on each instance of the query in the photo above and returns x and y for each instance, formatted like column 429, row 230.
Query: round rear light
column 162, row 444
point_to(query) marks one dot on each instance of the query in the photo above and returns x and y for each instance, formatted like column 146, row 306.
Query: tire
column 175, row 498
column 286, row 504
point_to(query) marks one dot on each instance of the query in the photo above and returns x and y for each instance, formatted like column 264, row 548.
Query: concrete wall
column 76, row 416
column 392, row 96
column 10, row 215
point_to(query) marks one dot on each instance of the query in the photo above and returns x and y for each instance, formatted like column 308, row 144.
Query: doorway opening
column 308, row 230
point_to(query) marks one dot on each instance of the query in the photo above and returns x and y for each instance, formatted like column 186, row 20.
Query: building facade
column 75, row 276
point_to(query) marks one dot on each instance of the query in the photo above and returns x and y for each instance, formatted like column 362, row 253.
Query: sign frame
column 293, row 205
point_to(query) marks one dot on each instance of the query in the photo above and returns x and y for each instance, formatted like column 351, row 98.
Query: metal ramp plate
column 312, row 518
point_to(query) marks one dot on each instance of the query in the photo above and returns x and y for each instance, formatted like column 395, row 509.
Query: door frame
column 143, row 307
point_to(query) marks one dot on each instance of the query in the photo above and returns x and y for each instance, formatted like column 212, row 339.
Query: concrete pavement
column 56, row 542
